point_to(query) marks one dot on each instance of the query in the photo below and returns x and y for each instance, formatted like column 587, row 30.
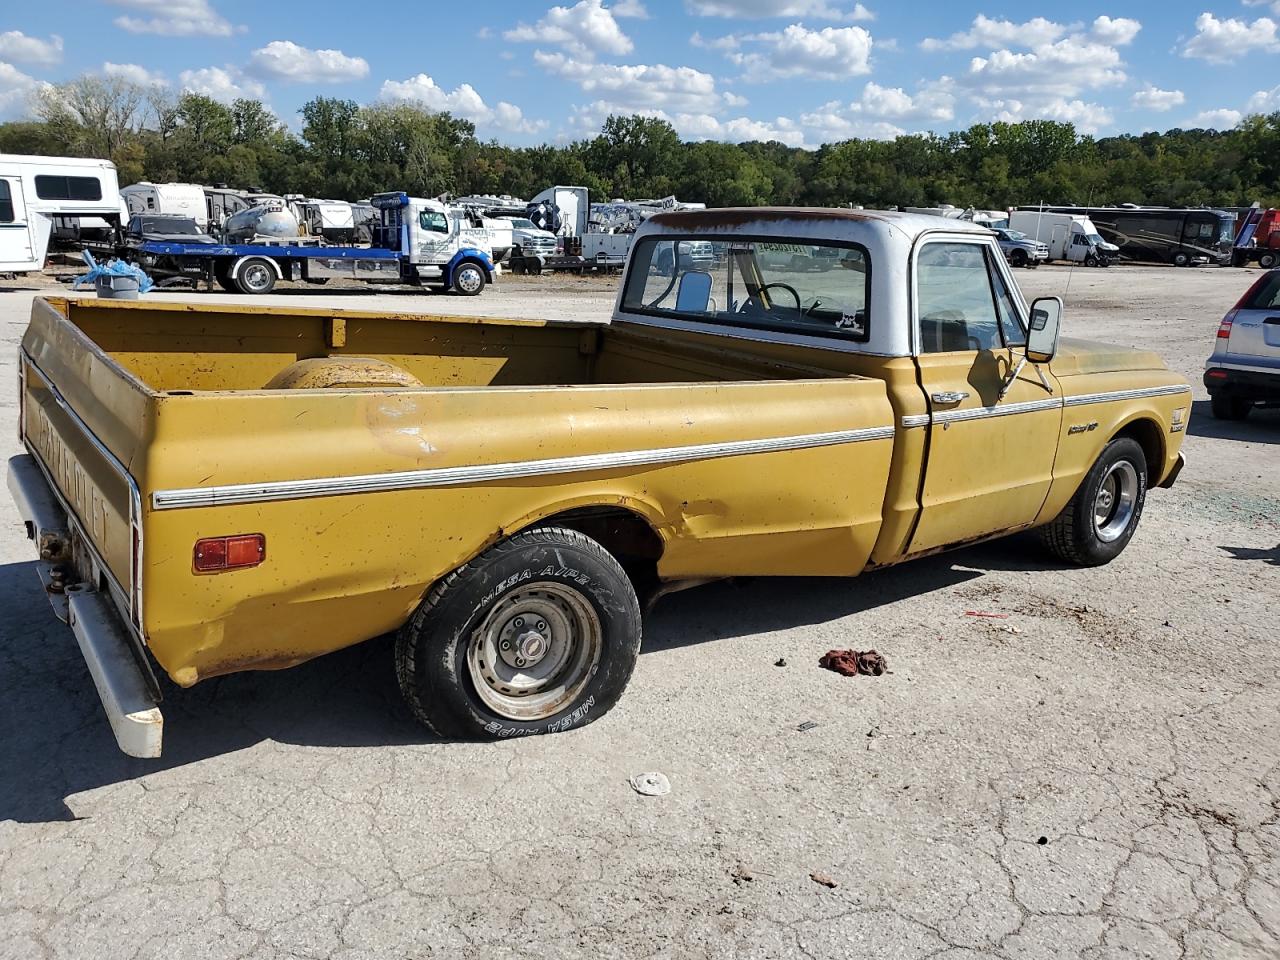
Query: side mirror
column 694, row 295
column 1042, row 338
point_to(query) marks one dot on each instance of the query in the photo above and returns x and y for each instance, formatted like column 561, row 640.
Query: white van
column 1069, row 236
column 170, row 199
column 35, row 190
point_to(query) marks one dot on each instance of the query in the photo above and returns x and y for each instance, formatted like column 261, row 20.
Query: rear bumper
column 1233, row 381
column 100, row 631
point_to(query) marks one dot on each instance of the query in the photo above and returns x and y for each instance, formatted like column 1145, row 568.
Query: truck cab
column 438, row 247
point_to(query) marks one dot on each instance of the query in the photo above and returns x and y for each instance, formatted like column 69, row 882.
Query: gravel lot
column 1098, row 775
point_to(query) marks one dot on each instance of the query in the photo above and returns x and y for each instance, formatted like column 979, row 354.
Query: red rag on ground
column 852, row 662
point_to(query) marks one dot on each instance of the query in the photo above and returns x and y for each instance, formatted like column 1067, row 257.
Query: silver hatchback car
column 1244, row 370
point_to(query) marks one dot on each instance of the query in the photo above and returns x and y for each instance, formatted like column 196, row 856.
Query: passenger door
column 18, row 247
column 990, row 458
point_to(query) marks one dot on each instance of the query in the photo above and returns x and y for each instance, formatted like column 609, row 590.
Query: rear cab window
column 766, row 283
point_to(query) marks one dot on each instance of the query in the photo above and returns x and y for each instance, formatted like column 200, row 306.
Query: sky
column 801, row 71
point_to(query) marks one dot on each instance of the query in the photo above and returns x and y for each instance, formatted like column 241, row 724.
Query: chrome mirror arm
column 1009, row 380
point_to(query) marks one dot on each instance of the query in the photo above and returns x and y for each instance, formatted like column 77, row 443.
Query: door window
column 1010, row 326
column 6, row 203
column 433, row 221
column 956, row 307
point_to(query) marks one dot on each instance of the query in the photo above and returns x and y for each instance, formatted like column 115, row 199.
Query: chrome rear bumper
column 100, row 631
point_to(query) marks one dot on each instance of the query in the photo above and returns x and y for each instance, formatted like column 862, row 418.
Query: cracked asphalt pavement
column 1095, row 775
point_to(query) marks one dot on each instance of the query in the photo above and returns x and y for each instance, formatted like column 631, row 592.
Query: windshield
column 1094, row 238
column 164, row 225
column 773, row 284
column 1014, row 235
column 1227, row 229
column 522, row 224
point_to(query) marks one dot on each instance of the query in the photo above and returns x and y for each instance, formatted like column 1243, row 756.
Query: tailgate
column 82, row 418
column 1255, row 339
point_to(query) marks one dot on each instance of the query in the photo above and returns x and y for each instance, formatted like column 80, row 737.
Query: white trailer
column 1069, row 236
column 169, row 199
column 36, row 190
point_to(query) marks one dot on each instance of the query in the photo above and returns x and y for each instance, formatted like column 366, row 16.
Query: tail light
column 1216, row 374
column 216, row 554
column 1224, row 328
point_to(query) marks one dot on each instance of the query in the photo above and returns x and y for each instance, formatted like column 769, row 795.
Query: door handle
column 949, row 396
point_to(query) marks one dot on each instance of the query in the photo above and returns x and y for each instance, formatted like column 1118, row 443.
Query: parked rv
column 1069, row 236
column 171, row 199
column 44, row 192
column 332, row 220
column 1179, row 236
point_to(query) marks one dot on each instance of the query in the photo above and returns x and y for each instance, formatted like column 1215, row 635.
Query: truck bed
column 162, row 424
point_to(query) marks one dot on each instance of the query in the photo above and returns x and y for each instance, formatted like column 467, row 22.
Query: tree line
column 349, row 151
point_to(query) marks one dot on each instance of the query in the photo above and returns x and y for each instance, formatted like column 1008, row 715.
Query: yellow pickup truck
column 780, row 392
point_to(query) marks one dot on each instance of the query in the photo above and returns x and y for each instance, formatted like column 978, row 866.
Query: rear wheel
column 1018, row 258
column 222, row 277
column 1226, row 407
column 539, row 634
column 1181, row 259
column 1267, row 261
column 468, row 278
column 1100, row 520
column 257, row 275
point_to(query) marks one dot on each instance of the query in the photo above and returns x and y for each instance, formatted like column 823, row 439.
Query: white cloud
column 1050, row 70
column 1118, row 31
column 585, row 29
column 220, row 84
column 285, row 60
column 175, row 18
column 989, row 33
column 639, row 87
column 693, row 125
column 1264, row 101
column 134, row 74
column 879, row 111
column 1152, row 97
column 17, row 46
column 831, row 53
column 462, row 102
column 1087, row 117
column 763, row 9
column 630, row 8
column 1224, row 41
column 15, row 88
column 1223, row 119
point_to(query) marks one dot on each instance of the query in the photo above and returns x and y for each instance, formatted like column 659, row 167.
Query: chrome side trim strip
column 915, row 420
column 999, row 410
column 238, row 493
column 1127, row 394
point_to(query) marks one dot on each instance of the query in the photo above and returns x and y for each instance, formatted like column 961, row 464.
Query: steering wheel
column 785, row 286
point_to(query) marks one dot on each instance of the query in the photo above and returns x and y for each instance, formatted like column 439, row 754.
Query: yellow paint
column 197, row 396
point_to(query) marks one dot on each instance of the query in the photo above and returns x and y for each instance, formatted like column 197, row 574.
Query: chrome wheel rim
column 1116, row 500
column 469, row 279
column 256, row 276
column 535, row 651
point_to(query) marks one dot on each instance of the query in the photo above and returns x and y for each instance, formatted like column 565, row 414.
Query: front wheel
column 1018, row 258
column 1100, row 520
column 468, row 279
column 1090, row 260
column 257, row 275
column 539, row 634
column 1181, row 259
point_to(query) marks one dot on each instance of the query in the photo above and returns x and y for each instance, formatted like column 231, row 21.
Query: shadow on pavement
column 55, row 741
column 1262, row 426
column 1271, row 557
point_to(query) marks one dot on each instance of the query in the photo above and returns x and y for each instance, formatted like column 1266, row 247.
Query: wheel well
column 625, row 534
column 1148, row 436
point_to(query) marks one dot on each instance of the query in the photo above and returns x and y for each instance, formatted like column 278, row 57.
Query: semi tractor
column 416, row 241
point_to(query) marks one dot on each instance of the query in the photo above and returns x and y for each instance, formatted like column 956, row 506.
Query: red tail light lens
column 215, row 554
column 1216, row 374
column 1224, row 328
